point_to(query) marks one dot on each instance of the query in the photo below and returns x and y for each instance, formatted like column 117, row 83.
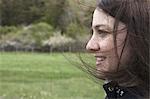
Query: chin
column 102, row 69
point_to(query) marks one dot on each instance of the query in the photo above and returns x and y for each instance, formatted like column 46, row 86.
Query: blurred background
column 34, row 37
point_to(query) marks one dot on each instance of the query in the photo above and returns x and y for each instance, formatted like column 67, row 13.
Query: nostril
column 95, row 49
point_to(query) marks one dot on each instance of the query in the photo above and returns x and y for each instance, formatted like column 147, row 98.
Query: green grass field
column 44, row 76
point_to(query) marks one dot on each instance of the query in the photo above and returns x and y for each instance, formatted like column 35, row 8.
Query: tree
column 55, row 13
column 16, row 12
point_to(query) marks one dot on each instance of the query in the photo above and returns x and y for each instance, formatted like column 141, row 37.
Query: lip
column 100, row 59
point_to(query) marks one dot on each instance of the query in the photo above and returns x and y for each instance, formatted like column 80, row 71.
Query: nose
column 92, row 45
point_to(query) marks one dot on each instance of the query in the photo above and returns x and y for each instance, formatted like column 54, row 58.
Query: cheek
column 127, row 54
column 106, row 44
column 120, row 43
column 120, row 39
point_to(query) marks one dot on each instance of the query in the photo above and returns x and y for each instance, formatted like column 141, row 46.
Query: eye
column 102, row 33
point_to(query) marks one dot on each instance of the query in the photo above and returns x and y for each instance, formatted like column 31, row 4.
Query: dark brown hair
column 135, row 15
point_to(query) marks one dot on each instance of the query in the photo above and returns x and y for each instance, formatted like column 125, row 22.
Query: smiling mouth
column 100, row 60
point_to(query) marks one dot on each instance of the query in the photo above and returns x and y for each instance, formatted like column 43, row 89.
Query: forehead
column 103, row 19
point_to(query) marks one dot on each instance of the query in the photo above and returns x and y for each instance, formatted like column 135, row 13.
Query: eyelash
column 100, row 32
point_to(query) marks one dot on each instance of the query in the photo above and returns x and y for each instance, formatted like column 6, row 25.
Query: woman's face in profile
column 102, row 42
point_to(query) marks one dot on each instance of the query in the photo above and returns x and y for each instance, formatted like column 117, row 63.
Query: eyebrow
column 101, row 25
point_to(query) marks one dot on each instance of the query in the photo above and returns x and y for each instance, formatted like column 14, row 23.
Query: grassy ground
column 43, row 76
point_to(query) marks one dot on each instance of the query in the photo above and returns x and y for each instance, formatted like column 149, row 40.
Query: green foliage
column 32, row 35
column 16, row 12
column 36, row 32
column 8, row 29
column 58, row 40
column 40, row 30
column 31, row 17
column 75, row 30
column 58, row 13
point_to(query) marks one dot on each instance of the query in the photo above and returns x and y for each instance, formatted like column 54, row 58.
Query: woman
column 120, row 44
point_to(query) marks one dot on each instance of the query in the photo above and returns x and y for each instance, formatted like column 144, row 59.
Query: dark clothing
column 113, row 91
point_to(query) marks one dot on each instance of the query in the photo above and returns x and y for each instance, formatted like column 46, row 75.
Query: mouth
column 100, row 60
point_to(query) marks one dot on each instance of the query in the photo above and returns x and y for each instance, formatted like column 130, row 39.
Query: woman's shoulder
column 113, row 91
